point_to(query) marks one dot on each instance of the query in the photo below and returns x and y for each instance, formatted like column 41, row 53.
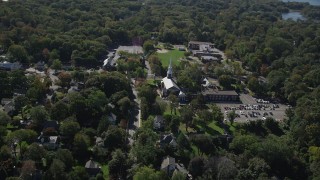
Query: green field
column 174, row 54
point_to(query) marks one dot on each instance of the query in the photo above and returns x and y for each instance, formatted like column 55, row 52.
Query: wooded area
column 81, row 33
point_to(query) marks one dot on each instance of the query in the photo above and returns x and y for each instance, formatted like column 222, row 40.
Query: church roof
column 169, row 83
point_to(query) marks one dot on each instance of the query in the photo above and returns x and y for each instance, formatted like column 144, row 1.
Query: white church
column 168, row 85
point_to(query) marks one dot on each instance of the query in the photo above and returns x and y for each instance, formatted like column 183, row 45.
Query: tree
column 27, row 169
column 232, row 116
column 254, row 85
column 144, row 150
column 115, row 138
column 18, row 53
column 59, row 111
column 103, row 124
column 22, row 135
column 118, row 165
column 179, row 176
column 174, row 102
column 35, row 153
column 216, row 112
column 4, row 118
column 20, row 102
column 56, row 64
column 205, row 116
column 147, row 173
column 69, row 128
column 66, row 157
column 65, row 79
column 56, row 170
column 147, row 92
column 81, row 143
column 183, row 142
column 186, row 115
column 78, row 173
column 148, row 46
column 225, row 81
column 39, row 115
column 196, row 167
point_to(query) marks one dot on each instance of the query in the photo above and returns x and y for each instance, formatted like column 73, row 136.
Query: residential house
column 168, row 165
column 158, row 123
column 112, row 118
column 8, row 66
column 49, row 142
column 7, row 105
column 40, row 65
column 168, row 140
column 92, row 167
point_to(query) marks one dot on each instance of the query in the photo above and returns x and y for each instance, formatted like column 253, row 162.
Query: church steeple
column 169, row 72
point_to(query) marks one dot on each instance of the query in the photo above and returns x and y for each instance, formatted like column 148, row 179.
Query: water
column 311, row 2
column 293, row 15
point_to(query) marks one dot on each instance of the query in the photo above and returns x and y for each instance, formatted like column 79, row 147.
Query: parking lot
column 252, row 109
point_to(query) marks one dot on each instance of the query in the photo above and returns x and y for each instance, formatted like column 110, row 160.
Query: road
column 135, row 114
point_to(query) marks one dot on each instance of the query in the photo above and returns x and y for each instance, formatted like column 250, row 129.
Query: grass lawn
column 215, row 127
column 105, row 171
column 174, row 54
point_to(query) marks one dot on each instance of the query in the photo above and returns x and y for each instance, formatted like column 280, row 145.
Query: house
column 49, row 142
column 40, row 65
column 99, row 142
column 92, row 167
column 168, row 140
column 158, row 123
column 168, row 85
column 201, row 46
column 112, row 118
column 54, row 125
column 8, row 66
column 7, row 105
column 168, row 165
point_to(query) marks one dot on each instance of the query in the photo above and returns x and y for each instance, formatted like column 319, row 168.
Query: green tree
column 65, row 79
column 148, row 46
column 225, row 81
column 4, row 118
column 232, row 116
column 69, row 128
column 117, row 165
column 18, row 53
column 56, row 64
column 39, row 115
column 66, row 157
column 59, row 111
column 35, row 153
column 186, row 115
column 115, row 138
column 78, row 173
column 81, row 143
column 56, row 170
column 147, row 173
column 216, row 112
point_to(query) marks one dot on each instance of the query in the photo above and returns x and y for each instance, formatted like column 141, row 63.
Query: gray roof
column 209, row 91
column 167, row 162
column 92, row 165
